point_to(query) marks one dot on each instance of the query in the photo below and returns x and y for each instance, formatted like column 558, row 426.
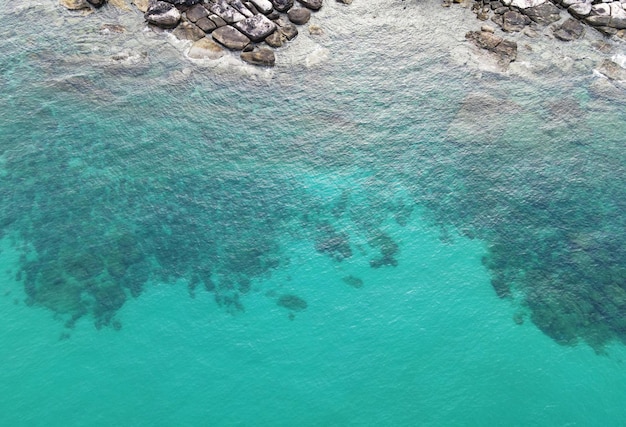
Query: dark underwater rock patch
column 292, row 302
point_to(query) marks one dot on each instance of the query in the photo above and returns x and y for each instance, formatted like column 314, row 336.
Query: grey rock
column 96, row 3
column 219, row 22
column 312, row 4
column 226, row 12
column 263, row 57
column 256, row 28
column 618, row 16
column 183, row 2
column 580, row 10
column 231, row 38
column 188, row 31
column 299, row 15
column 612, row 70
column 252, row 8
column 196, row 12
column 206, row 25
column 544, row 14
column 162, row 14
column 282, row 5
column 514, row 21
column 263, row 6
column 275, row 39
column 205, row 48
column 571, row 29
column 289, row 30
column 241, row 8
column 501, row 10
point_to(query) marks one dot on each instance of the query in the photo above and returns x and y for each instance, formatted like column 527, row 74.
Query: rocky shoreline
column 253, row 30
column 255, row 27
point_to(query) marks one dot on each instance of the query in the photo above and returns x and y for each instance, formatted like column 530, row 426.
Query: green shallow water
column 381, row 239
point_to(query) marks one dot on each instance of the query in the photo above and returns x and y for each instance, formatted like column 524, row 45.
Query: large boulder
column 523, row 4
column 514, row 21
column 312, row 4
column 231, row 38
column 183, row 2
column 282, row 5
column 299, row 16
column 205, row 48
column 263, row 6
column 580, row 10
column 600, row 15
column 544, row 14
column 259, row 57
column 188, row 31
column 571, row 29
column 256, row 28
column 618, row 16
column 241, row 8
column 162, row 14
column 229, row 14
column 196, row 13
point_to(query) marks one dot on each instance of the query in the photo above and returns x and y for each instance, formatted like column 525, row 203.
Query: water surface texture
column 378, row 231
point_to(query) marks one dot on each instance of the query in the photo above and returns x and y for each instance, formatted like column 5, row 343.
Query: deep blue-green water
column 378, row 231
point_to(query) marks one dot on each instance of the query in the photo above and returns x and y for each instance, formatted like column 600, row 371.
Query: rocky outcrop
column 256, row 28
column 163, row 14
column 570, row 30
column 231, row 38
column 504, row 50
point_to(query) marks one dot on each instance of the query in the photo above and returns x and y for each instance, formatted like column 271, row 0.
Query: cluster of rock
column 607, row 16
column 239, row 25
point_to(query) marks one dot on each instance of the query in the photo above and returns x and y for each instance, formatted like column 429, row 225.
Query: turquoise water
column 388, row 237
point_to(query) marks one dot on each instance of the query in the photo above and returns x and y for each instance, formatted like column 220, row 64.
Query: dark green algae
column 96, row 230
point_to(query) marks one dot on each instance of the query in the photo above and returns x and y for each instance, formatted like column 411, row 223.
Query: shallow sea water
column 378, row 231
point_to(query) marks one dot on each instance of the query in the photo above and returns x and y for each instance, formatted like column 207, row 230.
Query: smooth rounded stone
column 312, row 4
column 241, row 8
column 162, row 14
column 299, row 16
column 263, row 6
column 256, row 28
column 74, row 4
column 495, row 4
column 514, row 21
column 571, row 29
column 502, row 10
column 206, row 25
column 141, row 5
column 580, row 10
column 487, row 29
column 568, row 3
column 231, row 38
column 276, row 39
column 262, row 56
column 289, row 30
column 188, row 31
column 219, row 22
column 316, row 30
column 196, row 12
column 282, row 5
column 543, row 14
column 229, row 14
column 205, row 48
column 96, row 3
